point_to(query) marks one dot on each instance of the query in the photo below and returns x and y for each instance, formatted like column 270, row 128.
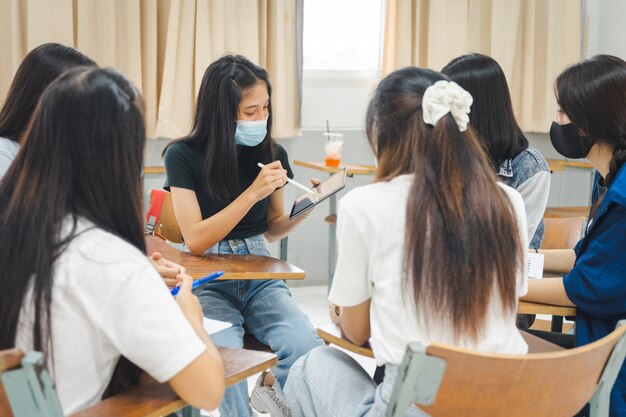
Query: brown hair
column 462, row 238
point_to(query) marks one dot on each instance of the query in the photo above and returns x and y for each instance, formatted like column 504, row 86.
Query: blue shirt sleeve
column 597, row 283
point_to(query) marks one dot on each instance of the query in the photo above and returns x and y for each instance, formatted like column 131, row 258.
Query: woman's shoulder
column 527, row 164
column 9, row 146
column 182, row 147
column 183, row 152
column 367, row 196
column 530, row 159
column 280, row 152
column 94, row 245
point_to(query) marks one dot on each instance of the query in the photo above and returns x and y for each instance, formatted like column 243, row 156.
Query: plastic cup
column 333, row 149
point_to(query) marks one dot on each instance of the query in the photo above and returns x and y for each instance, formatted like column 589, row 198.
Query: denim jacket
column 529, row 174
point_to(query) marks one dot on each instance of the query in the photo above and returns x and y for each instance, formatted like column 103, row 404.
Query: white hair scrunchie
column 445, row 97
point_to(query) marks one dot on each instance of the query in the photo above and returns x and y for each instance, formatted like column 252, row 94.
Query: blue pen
column 200, row 282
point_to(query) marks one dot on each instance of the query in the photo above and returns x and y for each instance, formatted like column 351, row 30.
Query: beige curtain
column 164, row 47
column 533, row 40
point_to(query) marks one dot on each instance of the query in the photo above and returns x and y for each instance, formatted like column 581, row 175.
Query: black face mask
column 568, row 142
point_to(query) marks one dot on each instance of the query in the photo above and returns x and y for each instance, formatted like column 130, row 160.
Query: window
column 342, row 35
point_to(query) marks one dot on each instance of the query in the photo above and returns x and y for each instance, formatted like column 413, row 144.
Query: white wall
column 607, row 31
column 336, row 96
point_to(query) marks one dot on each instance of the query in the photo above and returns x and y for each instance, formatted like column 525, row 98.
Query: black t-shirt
column 183, row 166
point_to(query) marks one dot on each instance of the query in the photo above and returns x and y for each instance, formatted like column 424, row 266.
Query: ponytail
column 462, row 240
column 619, row 157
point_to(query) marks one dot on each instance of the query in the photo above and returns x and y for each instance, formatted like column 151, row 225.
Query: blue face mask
column 250, row 132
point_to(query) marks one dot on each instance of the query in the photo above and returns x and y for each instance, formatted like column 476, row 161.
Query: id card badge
column 535, row 265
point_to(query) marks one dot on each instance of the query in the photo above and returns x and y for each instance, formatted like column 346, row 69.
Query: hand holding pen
column 292, row 182
column 199, row 283
column 271, row 177
column 189, row 303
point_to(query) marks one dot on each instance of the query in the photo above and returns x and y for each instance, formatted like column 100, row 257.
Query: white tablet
column 307, row 201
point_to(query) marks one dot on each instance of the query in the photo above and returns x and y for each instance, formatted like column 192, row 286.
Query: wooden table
column 525, row 307
column 352, row 169
column 331, row 333
column 557, row 312
column 563, row 164
column 234, row 266
column 154, row 400
column 562, row 212
column 154, row 170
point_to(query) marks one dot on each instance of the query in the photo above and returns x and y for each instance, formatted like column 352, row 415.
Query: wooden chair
column 448, row 381
column 562, row 233
column 571, row 211
column 26, row 389
column 331, row 334
column 167, row 226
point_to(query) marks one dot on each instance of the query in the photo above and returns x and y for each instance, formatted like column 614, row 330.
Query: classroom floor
column 314, row 302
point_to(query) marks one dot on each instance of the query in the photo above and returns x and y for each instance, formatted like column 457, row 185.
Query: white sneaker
column 270, row 400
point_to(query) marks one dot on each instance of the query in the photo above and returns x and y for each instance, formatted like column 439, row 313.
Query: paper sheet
column 213, row 326
column 535, row 265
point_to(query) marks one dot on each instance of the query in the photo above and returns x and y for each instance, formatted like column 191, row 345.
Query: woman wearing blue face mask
column 591, row 124
column 225, row 203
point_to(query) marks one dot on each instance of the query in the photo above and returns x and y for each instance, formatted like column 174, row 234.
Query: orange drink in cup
column 333, row 149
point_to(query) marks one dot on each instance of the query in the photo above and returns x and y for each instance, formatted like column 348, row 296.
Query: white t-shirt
column 108, row 300
column 370, row 235
column 8, row 152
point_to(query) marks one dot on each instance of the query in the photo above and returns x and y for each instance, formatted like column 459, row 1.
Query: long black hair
column 492, row 112
column 455, row 207
column 224, row 84
column 38, row 69
column 592, row 93
column 81, row 157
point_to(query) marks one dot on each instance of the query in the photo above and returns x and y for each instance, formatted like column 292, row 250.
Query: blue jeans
column 329, row 383
column 263, row 308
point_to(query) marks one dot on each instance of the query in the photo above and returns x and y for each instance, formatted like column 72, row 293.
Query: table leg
column 284, row 244
column 557, row 324
column 332, row 241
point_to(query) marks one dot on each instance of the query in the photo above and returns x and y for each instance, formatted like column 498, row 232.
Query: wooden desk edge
column 251, row 371
column 157, row 392
column 291, row 276
column 343, row 343
column 562, row 164
column 154, row 392
column 353, row 169
column 525, row 307
column 154, row 170
column 154, row 243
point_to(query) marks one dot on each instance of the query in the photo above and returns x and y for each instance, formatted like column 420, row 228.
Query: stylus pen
column 292, row 182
